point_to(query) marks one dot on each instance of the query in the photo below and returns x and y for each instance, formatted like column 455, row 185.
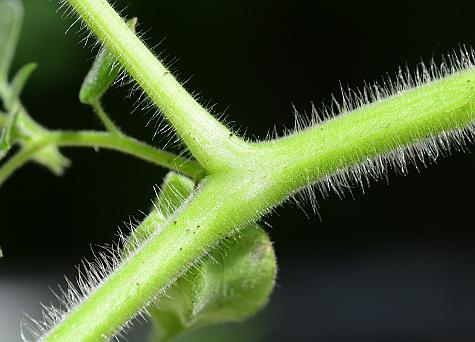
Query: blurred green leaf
column 51, row 158
column 20, row 79
column 11, row 18
column 229, row 286
column 103, row 73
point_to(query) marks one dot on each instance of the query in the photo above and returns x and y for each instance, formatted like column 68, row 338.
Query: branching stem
column 244, row 181
column 205, row 136
column 268, row 174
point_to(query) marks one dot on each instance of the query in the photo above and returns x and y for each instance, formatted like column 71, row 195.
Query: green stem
column 110, row 141
column 17, row 161
column 210, row 142
column 444, row 106
column 241, row 192
column 266, row 177
column 154, row 266
column 127, row 145
column 251, row 178
column 231, row 199
column 105, row 119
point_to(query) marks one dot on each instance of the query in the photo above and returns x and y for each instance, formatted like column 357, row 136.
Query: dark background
column 393, row 264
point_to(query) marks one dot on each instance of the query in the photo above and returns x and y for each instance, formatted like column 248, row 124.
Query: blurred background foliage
column 395, row 263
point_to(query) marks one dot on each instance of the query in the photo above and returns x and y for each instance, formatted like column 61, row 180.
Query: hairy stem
column 239, row 193
column 156, row 264
column 438, row 115
column 206, row 137
column 110, row 141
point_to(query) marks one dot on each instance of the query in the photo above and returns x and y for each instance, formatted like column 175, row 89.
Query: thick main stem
column 266, row 175
column 273, row 171
column 433, row 115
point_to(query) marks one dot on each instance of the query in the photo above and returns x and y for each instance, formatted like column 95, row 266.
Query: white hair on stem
column 422, row 153
column 400, row 160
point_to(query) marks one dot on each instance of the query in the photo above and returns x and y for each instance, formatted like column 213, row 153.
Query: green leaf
column 11, row 18
column 102, row 74
column 229, row 286
column 20, row 79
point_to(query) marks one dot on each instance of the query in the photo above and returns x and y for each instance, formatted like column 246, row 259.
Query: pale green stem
column 267, row 173
column 209, row 141
column 272, row 172
column 105, row 119
column 154, row 266
column 130, row 146
column 110, row 141
column 373, row 130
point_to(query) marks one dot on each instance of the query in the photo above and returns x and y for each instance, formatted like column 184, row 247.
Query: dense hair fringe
column 401, row 160
column 92, row 274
